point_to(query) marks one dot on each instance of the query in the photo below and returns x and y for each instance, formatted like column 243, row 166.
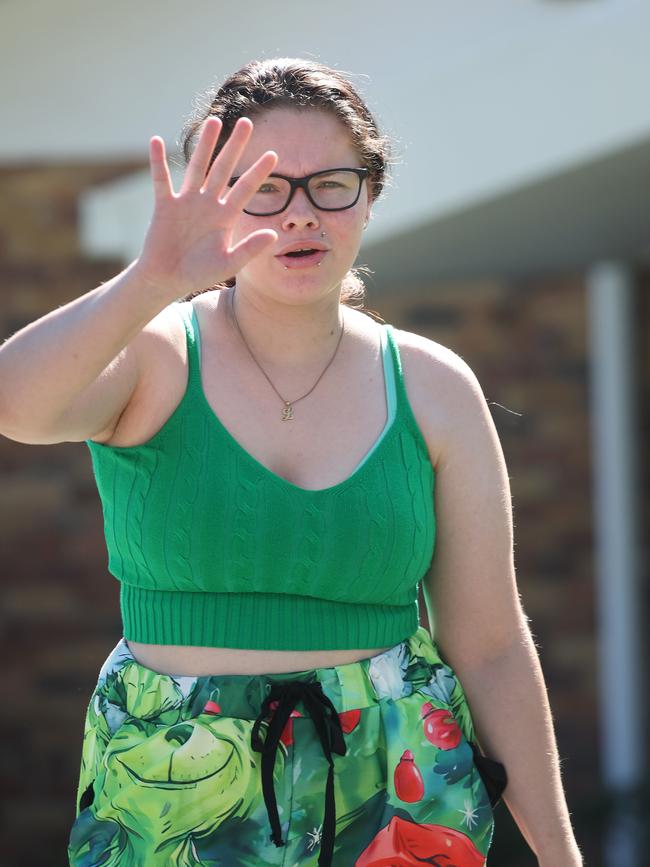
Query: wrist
column 157, row 285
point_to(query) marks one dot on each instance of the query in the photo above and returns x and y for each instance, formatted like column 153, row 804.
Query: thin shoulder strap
column 403, row 404
column 193, row 338
column 397, row 362
column 389, row 372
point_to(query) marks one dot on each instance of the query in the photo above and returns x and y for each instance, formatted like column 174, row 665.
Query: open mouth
column 302, row 258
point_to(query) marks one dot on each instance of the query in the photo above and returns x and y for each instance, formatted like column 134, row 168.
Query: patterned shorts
column 369, row 763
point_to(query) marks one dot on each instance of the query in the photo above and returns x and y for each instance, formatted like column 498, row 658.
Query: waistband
column 126, row 687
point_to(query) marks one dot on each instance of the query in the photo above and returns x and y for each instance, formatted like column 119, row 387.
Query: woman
column 276, row 468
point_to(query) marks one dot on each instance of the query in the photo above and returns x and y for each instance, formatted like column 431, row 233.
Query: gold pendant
column 287, row 412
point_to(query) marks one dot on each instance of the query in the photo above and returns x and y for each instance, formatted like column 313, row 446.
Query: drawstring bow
column 328, row 726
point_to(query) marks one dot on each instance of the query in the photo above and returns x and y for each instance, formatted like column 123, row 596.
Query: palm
column 189, row 241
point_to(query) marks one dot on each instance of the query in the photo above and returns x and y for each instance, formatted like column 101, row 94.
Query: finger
column 198, row 164
column 162, row 182
column 251, row 246
column 225, row 161
column 243, row 190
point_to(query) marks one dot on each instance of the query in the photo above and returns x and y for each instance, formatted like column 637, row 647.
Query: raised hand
column 188, row 243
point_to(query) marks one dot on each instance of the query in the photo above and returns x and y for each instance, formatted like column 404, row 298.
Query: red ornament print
column 409, row 785
column 440, row 727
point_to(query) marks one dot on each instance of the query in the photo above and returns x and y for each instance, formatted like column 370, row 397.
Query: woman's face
column 306, row 141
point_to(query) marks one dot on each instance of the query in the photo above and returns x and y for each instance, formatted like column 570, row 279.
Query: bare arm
column 480, row 626
column 70, row 374
column 514, row 722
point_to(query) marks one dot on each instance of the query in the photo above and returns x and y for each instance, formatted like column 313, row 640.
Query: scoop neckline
column 361, row 466
column 374, row 449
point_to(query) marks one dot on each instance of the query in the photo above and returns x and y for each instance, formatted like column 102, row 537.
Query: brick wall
column 526, row 342
column 59, row 605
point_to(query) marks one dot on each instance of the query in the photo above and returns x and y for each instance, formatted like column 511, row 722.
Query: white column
column 619, row 603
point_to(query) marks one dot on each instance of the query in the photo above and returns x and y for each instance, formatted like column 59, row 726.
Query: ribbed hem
column 260, row 621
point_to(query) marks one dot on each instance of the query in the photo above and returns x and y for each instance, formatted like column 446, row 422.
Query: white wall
column 482, row 96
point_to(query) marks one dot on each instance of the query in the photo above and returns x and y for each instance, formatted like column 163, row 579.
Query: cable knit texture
column 214, row 549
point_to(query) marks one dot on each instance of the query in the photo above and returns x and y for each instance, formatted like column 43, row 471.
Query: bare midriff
column 172, row 659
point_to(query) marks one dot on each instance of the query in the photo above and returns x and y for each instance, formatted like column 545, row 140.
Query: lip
column 303, row 261
column 305, row 244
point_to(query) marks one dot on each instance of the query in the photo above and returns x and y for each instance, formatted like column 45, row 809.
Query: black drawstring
column 328, row 725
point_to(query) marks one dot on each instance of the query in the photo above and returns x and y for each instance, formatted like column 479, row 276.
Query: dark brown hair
column 299, row 83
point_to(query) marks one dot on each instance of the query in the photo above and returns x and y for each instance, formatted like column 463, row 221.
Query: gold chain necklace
column 287, row 412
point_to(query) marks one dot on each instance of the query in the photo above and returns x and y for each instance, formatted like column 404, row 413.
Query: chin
column 299, row 284
column 302, row 292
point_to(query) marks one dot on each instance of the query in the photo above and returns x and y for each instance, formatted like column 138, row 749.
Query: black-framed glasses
column 327, row 190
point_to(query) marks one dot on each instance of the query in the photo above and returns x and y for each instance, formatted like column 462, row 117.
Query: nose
column 300, row 210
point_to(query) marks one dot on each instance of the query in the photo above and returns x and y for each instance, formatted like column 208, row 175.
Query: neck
column 282, row 335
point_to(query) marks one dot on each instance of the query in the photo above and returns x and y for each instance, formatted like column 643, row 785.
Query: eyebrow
column 276, row 173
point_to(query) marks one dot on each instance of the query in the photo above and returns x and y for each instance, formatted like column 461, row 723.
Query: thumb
column 252, row 246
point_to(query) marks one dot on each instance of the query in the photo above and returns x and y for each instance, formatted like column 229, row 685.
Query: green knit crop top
column 211, row 548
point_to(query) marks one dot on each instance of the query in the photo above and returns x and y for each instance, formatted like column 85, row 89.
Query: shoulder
column 156, row 349
column 161, row 349
column 168, row 330
column 425, row 358
column 165, row 333
column 443, row 390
